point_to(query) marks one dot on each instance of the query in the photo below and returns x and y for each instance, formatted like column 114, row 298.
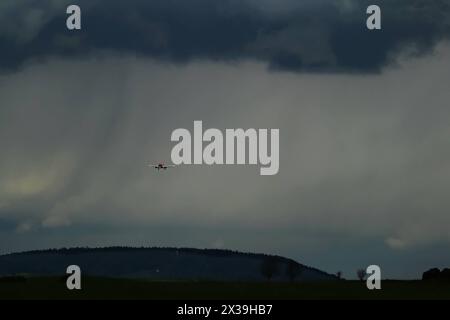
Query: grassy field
column 103, row 288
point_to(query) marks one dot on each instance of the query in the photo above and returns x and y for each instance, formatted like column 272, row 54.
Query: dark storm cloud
column 318, row 36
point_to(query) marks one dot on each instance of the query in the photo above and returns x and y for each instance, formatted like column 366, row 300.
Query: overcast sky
column 363, row 118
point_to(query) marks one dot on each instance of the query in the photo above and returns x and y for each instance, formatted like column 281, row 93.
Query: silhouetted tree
column 339, row 274
column 293, row 270
column 431, row 274
column 269, row 267
column 361, row 274
column 436, row 274
column 445, row 274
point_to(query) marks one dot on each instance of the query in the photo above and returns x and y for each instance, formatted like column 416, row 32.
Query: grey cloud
column 376, row 165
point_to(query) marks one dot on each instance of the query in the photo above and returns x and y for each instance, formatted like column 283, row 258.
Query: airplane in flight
column 162, row 166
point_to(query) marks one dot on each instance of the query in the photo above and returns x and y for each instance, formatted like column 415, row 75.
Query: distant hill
column 160, row 264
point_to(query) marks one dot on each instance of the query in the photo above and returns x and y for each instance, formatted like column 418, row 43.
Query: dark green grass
column 103, row 288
